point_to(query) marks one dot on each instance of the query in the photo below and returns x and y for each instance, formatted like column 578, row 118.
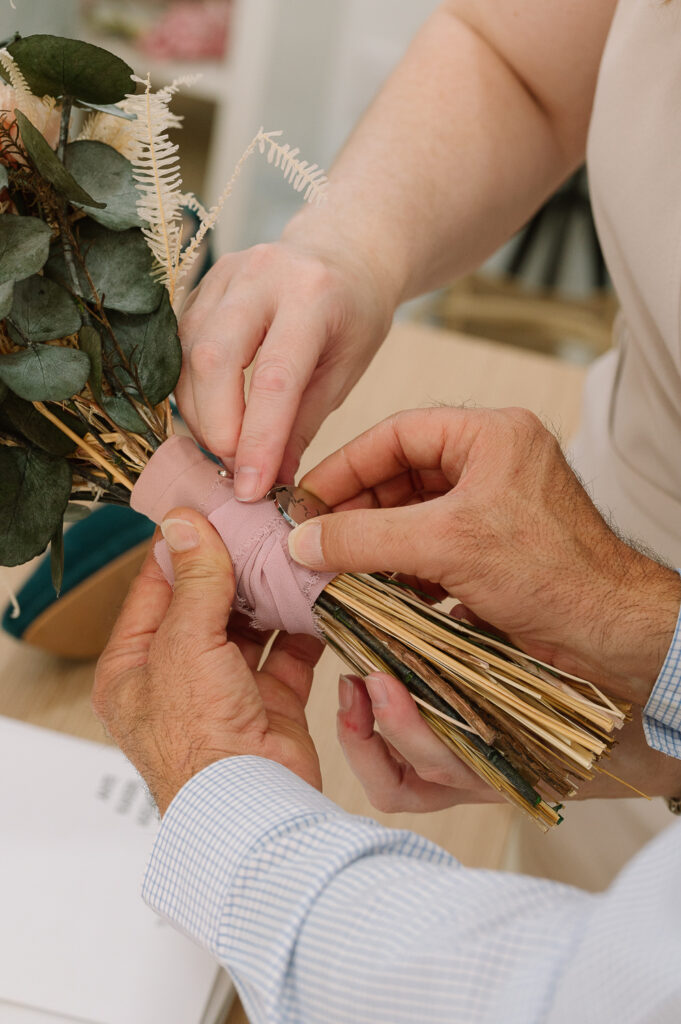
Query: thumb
column 367, row 540
column 204, row 586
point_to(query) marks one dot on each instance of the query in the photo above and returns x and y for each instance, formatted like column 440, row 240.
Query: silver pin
column 297, row 505
column 223, row 473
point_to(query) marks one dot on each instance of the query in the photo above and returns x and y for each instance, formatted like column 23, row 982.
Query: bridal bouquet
column 92, row 258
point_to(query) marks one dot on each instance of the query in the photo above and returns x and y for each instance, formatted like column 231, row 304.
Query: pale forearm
column 456, row 152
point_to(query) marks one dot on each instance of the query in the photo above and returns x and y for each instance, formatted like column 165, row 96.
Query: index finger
column 421, row 439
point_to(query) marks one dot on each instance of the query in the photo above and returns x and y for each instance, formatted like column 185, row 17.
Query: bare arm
column 485, row 115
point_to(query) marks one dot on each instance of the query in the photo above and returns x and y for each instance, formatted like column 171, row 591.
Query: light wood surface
column 417, row 366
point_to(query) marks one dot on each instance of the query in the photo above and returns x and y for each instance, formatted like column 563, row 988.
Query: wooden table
column 417, row 366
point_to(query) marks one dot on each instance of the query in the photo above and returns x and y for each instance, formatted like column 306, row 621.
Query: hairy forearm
column 455, row 153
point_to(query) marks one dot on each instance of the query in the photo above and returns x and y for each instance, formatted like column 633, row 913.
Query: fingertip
column 179, row 534
column 346, row 694
column 190, row 537
column 305, row 544
column 355, row 716
column 390, row 699
column 248, row 485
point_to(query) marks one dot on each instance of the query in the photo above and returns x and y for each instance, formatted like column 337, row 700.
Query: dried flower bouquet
column 92, row 257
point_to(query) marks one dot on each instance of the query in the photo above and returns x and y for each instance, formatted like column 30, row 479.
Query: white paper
column 12, row 1014
column 76, row 940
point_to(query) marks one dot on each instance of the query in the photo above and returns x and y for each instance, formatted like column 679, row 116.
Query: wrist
column 636, row 624
column 343, row 238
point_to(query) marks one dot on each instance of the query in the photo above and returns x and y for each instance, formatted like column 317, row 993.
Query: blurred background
column 310, row 69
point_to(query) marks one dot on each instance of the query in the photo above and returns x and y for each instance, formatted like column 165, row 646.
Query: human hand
column 507, row 528
column 176, row 693
column 314, row 316
column 405, row 767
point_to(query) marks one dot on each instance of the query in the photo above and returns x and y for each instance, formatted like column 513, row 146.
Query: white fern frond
column 210, row 219
column 14, row 73
column 37, row 109
column 299, row 173
column 190, row 202
column 156, row 169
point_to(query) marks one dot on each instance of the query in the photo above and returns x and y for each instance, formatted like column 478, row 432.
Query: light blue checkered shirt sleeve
column 662, row 713
column 325, row 918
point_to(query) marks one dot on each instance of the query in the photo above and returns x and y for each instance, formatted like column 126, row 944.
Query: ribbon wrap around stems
column 271, row 589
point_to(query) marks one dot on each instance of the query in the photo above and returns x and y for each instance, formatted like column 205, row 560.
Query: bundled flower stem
column 534, row 733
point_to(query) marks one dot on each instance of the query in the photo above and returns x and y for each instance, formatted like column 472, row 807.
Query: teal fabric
column 88, row 546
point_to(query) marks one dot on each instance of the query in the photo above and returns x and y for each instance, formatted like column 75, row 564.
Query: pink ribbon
column 271, row 589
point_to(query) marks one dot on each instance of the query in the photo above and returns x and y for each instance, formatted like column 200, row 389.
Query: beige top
column 629, row 446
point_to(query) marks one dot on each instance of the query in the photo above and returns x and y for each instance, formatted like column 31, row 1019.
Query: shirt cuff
column 662, row 713
column 213, row 823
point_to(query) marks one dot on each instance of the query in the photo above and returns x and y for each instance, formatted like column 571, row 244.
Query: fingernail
column 179, row 534
column 305, row 544
column 377, row 691
column 346, row 691
column 246, row 483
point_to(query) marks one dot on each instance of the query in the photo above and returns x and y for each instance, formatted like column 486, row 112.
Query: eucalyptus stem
column 66, row 106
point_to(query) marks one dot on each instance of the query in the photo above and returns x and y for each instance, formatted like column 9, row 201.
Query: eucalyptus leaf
column 120, row 265
column 6, row 298
column 48, row 164
column 152, row 347
column 90, row 342
column 107, row 108
column 57, row 558
column 24, row 246
column 55, row 66
column 22, row 418
column 107, row 175
column 4, row 177
column 34, row 492
column 42, row 373
column 124, row 414
column 43, row 310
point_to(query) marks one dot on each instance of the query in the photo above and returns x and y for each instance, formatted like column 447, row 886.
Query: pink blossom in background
column 189, row 30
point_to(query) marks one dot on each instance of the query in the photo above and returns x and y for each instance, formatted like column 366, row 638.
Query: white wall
column 331, row 58
column 31, row 16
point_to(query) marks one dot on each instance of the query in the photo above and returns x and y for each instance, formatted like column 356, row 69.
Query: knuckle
column 385, row 801
column 223, row 264
column 527, row 424
column 260, row 258
column 188, row 324
column 274, row 377
column 439, row 774
column 172, row 650
column 318, row 278
column 206, row 358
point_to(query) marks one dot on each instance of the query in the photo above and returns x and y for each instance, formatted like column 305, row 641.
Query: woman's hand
column 176, row 692
column 313, row 316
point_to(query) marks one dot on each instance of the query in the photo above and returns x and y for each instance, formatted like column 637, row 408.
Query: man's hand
column 176, row 693
column 405, row 767
column 313, row 315
column 507, row 529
